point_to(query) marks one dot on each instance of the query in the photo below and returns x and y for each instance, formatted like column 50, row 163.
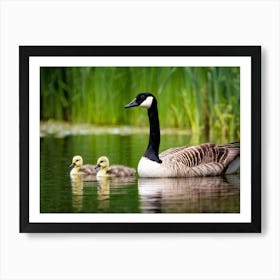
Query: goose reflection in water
column 190, row 195
column 158, row 195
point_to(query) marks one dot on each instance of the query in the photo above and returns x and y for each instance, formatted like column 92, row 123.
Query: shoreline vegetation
column 204, row 101
column 62, row 129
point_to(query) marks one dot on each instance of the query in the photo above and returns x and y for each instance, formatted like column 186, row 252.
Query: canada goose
column 114, row 170
column 78, row 167
column 187, row 161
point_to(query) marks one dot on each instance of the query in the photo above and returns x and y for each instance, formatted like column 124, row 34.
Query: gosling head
column 144, row 99
column 77, row 161
column 102, row 162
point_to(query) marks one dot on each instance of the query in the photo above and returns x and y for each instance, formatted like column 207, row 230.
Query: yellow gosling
column 114, row 170
column 78, row 167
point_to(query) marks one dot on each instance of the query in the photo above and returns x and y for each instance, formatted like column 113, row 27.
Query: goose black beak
column 133, row 103
column 97, row 165
column 72, row 164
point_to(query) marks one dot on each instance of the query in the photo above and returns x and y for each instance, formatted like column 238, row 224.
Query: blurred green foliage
column 205, row 100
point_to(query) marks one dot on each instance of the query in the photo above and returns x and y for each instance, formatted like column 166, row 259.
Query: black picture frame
column 254, row 52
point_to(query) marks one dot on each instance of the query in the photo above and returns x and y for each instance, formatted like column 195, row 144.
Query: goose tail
column 233, row 158
column 234, row 166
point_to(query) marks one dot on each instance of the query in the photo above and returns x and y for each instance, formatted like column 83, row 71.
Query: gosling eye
column 101, row 161
column 77, row 160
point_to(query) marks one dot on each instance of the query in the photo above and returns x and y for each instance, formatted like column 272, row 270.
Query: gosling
column 78, row 167
column 114, row 170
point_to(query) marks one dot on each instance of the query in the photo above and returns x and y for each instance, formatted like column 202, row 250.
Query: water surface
column 61, row 194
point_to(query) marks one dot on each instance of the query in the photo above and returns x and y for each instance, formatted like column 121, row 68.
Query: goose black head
column 144, row 99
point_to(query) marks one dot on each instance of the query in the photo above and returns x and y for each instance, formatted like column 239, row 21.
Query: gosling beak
column 97, row 165
column 72, row 164
column 133, row 103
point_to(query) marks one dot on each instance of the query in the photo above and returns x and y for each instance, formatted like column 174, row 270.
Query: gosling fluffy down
column 114, row 170
column 78, row 167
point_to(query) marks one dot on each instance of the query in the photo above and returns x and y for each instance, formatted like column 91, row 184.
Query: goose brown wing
column 192, row 156
column 172, row 151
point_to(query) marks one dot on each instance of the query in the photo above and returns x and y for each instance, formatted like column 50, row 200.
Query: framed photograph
column 140, row 139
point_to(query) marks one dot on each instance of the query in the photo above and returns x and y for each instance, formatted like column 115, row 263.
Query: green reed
column 205, row 100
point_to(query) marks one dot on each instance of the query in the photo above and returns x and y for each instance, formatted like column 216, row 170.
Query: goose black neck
column 154, row 139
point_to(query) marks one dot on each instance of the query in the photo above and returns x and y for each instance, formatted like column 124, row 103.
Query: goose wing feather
column 202, row 160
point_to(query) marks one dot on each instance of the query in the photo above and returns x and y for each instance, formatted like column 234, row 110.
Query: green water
column 60, row 194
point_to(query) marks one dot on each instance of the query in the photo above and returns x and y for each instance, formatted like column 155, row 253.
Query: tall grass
column 202, row 99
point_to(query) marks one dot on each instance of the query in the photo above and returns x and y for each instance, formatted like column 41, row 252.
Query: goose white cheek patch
column 147, row 102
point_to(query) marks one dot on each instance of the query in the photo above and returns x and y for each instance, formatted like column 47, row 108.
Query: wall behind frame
column 138, row 256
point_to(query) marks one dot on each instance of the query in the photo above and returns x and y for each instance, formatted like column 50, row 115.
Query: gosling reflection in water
column 100, row 196
column 104, row 185
column 190, row 195
column 103, row 193
column 77, row 185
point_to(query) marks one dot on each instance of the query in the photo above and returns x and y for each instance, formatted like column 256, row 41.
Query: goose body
column 187, row 161
column 115, row 170
column 78, row 167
